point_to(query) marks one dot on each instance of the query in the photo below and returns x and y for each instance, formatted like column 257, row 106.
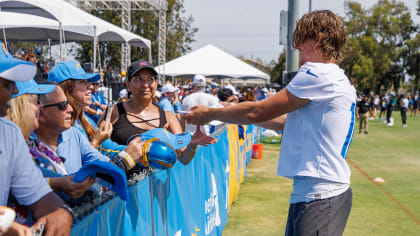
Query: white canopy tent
column 212, row 61
column 26, row 27
column 59, row 20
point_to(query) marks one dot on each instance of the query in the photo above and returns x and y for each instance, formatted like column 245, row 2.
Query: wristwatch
column 68, row 209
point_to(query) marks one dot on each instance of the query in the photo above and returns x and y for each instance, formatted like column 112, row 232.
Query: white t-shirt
column 405, row 103
column 18, row 172
column 199, row 98
column 317, row 136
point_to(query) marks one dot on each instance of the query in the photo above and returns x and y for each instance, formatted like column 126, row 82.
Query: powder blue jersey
column 317, row 136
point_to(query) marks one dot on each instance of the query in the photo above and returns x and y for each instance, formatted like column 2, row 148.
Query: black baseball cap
column 139, row 65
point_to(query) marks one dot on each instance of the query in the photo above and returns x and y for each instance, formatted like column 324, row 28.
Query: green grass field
column 392, row 153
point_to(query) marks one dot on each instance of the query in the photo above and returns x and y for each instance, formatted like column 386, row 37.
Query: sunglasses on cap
column 61, row 105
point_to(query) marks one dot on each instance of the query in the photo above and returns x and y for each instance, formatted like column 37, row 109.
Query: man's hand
column 135, row 148
column 74, row 190
column 200, row 115
column 199, row 138
column 57, row 223
column 17, row 229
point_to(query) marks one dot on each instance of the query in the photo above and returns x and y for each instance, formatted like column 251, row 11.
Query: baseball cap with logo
column 169, row 88
column 199, row 80
column 176, row 141
column 139, row 65
column 112, row 174
column 32, row 87
column 14, row 69
column 159, row 149
column 70, row 70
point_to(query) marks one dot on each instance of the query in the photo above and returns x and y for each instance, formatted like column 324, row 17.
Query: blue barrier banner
column 184, row 200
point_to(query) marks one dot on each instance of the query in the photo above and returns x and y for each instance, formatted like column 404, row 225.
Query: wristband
column 97, row 112
column 117, row 161
column 127, row 159
column 68, row 209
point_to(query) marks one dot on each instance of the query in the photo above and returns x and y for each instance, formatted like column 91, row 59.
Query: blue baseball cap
column 176, row 141
column 32, row 87
column 70, row 70
column 14, row 69
column 107, row 171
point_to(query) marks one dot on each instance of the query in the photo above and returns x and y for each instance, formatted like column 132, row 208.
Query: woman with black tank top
column 139, row 114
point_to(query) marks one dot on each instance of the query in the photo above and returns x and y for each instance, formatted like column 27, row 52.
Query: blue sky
column 251, row 28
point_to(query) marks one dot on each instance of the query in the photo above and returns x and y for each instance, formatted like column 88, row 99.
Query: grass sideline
column 392, row 153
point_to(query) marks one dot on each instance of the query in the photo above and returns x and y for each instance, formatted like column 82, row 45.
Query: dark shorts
column 319, row 217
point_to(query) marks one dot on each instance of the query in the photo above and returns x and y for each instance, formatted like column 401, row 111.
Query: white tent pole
column 94, row 48
column 64, row 44
column 60, row 27
column 4, row 31
column 150, row 54
column 49, row 46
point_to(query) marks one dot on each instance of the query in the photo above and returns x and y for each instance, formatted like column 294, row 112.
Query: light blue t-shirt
column 76, row 150
column 165, row 105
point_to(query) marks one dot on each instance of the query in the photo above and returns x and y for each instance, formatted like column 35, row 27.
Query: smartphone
column 108, row 113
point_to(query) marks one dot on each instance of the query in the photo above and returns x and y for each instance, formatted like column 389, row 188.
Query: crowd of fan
column 49, row 137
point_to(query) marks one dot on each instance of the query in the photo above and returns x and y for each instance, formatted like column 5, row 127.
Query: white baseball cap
column 199, row 80
column 169, row 88
column 123, row 93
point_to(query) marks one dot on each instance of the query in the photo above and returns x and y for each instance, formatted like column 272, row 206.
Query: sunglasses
column 61, row 105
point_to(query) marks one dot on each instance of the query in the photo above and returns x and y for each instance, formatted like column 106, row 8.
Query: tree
column 180, row 34
column 411, row 53
column 278, row 67
column 373, row 55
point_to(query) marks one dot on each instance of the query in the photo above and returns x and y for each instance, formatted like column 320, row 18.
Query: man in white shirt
column 404, row 107
column 18, row 173
column 198, row 97
column 320, row 103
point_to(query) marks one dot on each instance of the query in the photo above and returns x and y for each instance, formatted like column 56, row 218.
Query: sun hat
column 106, row 171
column 70, row 70
column 14, row 69
column 139, row 65
column 32, row 87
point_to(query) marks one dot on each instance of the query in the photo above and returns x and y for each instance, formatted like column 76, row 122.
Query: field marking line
column 399, row 204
